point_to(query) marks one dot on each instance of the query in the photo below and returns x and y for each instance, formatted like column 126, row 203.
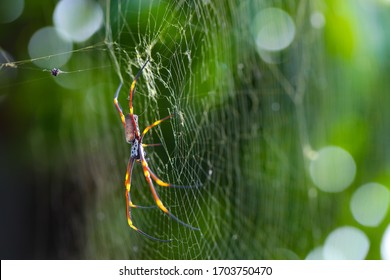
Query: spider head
column 130, row 129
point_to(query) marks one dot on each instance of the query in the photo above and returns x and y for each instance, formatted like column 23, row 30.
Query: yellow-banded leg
column 132, row 90
column 154, row 124
column 118, row 107
column 130, row 205
column 156, row 198
column 152, row 174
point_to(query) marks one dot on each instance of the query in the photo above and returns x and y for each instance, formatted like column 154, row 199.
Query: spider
column 55, row 72
column 137, row 154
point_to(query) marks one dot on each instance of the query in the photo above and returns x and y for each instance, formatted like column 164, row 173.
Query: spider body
column 137, row 154
column 55, row 72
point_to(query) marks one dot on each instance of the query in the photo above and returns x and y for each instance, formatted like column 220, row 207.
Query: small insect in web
column 55, row 71
column 137, row 154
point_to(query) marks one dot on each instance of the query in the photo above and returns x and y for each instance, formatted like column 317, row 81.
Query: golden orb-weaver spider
column 137, row 154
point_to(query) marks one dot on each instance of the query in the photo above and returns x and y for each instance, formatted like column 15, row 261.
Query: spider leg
column 118, row 107
column 129, row 204
column 152, row 174
column 132, row 91
column 164, row 184
column 156, row 198
column 154, row 124
column 129, row 172
column 151, row 145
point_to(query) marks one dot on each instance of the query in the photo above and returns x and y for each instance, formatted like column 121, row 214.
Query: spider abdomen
column 130, row 129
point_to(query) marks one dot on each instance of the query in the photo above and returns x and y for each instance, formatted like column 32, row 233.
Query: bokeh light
column 333, row 169
column 47, row 42
column 369, row 204
column 316, row 254
column 274, row 29
column 10, row 10
column 385, row 245
column 346, row 243
column 77, row 20
column 317, row 20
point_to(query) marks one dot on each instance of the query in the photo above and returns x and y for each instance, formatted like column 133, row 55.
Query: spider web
column 207, row 76
column 239, row 136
